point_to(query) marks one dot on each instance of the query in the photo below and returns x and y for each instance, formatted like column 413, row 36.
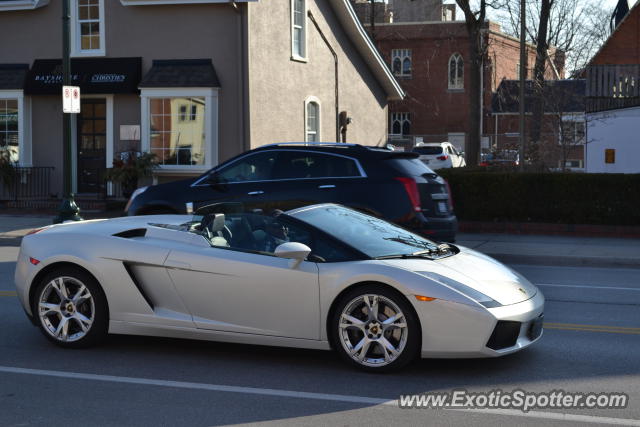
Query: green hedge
column 564, row 198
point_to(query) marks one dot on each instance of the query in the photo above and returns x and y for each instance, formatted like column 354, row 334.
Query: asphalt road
column 591, row 344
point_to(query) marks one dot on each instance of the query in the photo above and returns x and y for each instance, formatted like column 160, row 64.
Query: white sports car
column 319, row 277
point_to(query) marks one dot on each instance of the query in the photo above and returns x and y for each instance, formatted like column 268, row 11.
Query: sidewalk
column 555, row 250
column 508, row 248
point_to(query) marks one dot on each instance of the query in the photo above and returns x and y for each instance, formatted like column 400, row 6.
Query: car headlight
column 468, row 291
column 135, row 194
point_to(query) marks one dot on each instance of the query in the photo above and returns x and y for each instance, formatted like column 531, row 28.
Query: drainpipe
column 242, row 68
column 335, row 61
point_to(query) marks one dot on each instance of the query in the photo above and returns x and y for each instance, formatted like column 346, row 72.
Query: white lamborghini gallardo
column 319, row 277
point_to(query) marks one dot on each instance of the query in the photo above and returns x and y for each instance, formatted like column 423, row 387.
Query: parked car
column 503, row 158
column 389, row 184
column 318, row 277
column 439, row 155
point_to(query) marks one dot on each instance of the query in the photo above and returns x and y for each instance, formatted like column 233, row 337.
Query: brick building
column 429, row 53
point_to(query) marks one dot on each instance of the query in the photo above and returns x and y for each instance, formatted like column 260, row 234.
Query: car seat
column 213, row 226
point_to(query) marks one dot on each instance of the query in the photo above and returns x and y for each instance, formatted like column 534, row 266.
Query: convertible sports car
column 320, row 277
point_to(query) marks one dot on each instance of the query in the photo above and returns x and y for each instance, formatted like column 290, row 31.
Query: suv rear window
column 428, row 150
column 411, row 167
column 303, row 164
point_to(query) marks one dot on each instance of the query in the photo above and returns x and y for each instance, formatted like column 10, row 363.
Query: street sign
column 71, row 99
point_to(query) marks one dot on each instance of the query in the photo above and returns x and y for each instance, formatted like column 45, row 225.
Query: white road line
column 200, row 386
column 557, row 416
column 617, row 288
column 307, row 395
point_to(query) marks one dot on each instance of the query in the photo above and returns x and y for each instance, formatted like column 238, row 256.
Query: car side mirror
column 296, row 251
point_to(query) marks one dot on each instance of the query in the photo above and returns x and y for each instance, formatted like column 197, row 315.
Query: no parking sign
column 71, row 99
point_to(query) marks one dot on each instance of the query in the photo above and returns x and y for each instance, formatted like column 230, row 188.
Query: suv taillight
column 443, row 158
column 450, row 195
column 411, row 188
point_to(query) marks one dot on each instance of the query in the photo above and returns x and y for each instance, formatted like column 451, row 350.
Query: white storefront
column 613, row 141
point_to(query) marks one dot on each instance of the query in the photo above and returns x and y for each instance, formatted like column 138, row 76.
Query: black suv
column 394, row 185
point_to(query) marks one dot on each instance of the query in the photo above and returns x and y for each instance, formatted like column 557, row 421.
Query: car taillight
column 412, row 191
column 442, row 157
column 450, row 195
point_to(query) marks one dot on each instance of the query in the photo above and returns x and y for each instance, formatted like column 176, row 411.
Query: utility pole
column 523, row 78
column 68, row 210
column 373, row 19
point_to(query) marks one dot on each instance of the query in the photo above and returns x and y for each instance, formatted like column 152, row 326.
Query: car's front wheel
column 71, row 308
column 374, row 328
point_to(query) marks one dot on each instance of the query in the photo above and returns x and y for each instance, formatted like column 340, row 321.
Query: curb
column 567, row 261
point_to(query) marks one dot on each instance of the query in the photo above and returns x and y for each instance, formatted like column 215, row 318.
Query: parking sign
column 71, row 99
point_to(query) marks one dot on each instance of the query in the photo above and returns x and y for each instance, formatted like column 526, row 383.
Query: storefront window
column 9, row 129
column 177, row 130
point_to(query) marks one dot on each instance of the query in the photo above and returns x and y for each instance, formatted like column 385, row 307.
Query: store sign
column 93, row 75
column 71, row 99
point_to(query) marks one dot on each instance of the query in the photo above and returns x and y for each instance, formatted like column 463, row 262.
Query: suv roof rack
column 315, row 144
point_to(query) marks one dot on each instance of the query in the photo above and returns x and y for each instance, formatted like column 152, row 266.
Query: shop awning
column 181, row 73
column 93, row 75
column 12, row 76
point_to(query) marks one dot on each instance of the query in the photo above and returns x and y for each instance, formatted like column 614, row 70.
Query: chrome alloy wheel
column 373, row 330
column 66, row 309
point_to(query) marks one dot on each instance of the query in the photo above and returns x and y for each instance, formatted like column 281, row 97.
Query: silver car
column 320, row 277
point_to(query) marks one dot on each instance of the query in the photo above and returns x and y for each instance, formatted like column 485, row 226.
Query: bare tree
column 475, row 21
column 539, row 69
column 576, row 27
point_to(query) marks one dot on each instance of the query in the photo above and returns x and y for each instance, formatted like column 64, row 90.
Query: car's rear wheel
column 374, row 328
column 71, row 308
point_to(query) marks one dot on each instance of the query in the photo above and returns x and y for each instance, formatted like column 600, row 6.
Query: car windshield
column 432, row 149
column 372, row 236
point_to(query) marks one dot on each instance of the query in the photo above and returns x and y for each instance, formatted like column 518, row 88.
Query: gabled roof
column 356, row 32
column 634, row 9
column 561, row 96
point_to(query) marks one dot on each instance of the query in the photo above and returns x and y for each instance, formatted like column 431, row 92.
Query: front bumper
column 454, row 330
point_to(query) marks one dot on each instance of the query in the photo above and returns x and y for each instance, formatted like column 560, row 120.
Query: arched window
column 401, row 62
column 397, row 66
column 406, row 66
column 456, row 72
column 400, row 123
column 312, row 120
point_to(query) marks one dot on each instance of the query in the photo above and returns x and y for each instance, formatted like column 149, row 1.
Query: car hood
column 475, row 270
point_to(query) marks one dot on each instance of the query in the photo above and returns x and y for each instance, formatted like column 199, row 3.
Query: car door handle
column 255, row 193
column 326, row 186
